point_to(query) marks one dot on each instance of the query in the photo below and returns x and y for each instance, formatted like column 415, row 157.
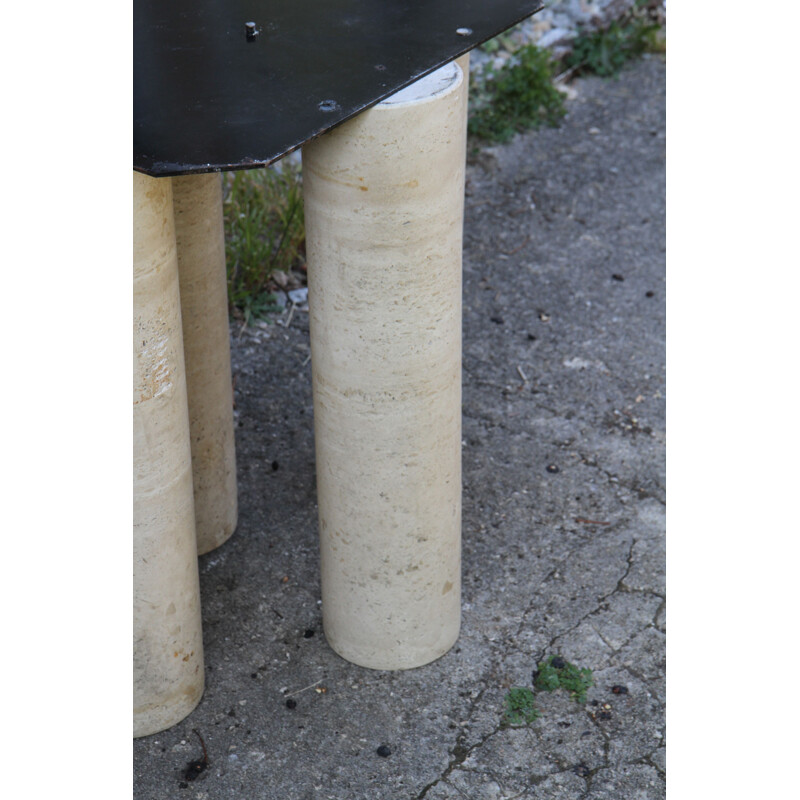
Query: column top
column 236, row 84
column 432, row 85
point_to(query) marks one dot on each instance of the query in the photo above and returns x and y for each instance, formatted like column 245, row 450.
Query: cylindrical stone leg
column 200, row 236
column 384, row 209
column 167, row 646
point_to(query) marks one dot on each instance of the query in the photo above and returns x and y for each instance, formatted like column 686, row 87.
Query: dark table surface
column 208, row 97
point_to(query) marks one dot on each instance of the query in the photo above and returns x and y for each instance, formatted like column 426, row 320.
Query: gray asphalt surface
column 563, row 513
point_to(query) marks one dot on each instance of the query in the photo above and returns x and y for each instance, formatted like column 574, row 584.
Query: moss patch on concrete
column 557, row 673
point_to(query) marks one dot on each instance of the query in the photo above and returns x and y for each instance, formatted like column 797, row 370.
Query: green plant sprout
column 604, row 52
column 557, row 673
column 517, row 96
column 264, row 232
column 519, row 707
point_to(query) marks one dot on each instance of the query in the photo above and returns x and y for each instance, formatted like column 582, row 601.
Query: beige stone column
column 463, row 62
column 200, row 235
column 168, row 674
column 384, row 209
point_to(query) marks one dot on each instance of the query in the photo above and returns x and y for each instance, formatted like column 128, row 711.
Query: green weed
column 517, row 96
column 264, row 233
column 557, row 673
column 519, row 707
column 604, row 52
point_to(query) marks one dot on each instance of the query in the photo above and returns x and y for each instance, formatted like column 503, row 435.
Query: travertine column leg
column 384, row 209
column 167, row 646
column 200, row 235
column 463, row 62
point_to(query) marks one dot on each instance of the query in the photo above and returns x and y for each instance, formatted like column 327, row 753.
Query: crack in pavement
column 600, row 601
column 460, row 753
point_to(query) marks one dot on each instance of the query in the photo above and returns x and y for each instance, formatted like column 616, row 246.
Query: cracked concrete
column 563, row 517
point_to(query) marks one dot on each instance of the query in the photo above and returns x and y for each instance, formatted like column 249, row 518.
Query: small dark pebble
column 497, row 320
column 617, row 277
column 552, row 468
column 231, row 713
column 649, row 293
column 309, row 633
column 595, row 702
column 557, row 661
column 581, row 770
column 275, row 466
column 619, row 689
column 253, row 674
column 291, row 703
column 183, row 785
column 585, row 734
column 383, row 751
column 531, row 337
column 193, row 769
column 603, row 715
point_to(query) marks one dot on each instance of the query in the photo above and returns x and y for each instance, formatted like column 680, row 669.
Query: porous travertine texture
column 384, row 210
column 200, row 236
column 167, row 647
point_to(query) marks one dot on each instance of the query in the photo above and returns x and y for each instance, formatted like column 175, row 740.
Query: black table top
column 209, row 96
